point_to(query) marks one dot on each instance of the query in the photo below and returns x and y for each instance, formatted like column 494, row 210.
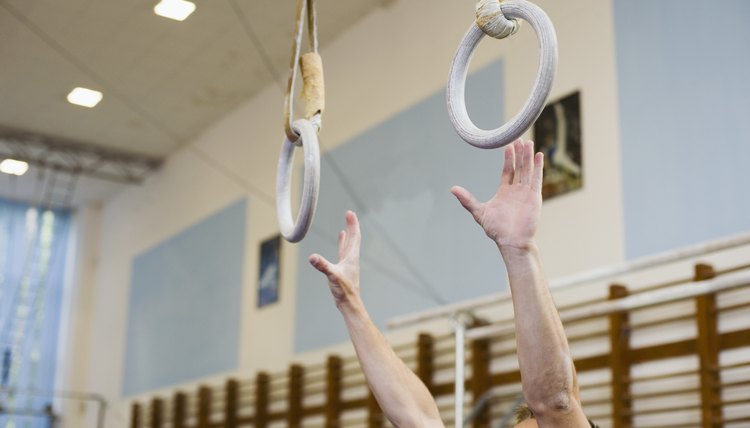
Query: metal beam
column 76, row 158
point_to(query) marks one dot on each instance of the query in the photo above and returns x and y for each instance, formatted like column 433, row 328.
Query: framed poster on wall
column 557, row 134
column 268, row 278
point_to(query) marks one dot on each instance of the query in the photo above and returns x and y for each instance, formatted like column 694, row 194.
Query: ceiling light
column 178, row 10
column 84, row 97
column 14, row 167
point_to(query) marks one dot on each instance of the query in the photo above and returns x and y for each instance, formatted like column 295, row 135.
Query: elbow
column 554, row 393
column 415, row 419
column 552, row 403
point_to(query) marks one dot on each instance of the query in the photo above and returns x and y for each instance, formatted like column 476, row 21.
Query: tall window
column 33, row 243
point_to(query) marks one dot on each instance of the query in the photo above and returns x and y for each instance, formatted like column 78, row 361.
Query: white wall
column 77, row 315
column 387, row 62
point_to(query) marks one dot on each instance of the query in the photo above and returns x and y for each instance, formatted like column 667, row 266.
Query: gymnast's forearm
column 547, row 371
column 402, row 396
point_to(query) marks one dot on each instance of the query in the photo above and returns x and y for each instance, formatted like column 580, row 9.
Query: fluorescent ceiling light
column 84, row 97
column 178, row 10
column 14, row 167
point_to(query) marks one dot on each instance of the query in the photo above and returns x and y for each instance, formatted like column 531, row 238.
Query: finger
column 528, row 154
column 342, row 244
column 320, row 263
column 508, row 165
column 354, row 234
column 538, row 179
column 466, row 199
column 518, row 147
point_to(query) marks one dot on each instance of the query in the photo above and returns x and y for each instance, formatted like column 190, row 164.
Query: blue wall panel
column 185, row 302
column 401, row 172
column 683, row 70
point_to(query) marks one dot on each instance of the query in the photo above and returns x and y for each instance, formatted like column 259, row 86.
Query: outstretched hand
column 510, row 218
column 343, row 277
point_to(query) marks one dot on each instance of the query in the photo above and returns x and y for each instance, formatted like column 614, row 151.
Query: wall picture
column 268, row 281
column 557, row 134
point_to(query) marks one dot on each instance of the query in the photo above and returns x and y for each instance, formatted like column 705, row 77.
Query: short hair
column 523, row 412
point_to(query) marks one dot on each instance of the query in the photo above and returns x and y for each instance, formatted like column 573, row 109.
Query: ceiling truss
column 76, row 158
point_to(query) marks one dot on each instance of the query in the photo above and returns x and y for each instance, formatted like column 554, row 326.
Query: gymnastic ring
column 509, row 132
column 295, row 230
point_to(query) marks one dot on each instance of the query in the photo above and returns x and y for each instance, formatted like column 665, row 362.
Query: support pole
column 296, row 390
column 231, row 403
column 333, row 391
column 179, row 409
column 480, row 379
column 708, row 351
column 262, row 388
column 619, row 362
column 135, row 416
column 459, row 325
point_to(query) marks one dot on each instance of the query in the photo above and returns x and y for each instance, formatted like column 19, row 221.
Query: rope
column 311, row 65
column 497, row 18
column 493, row 23
column 302, row 132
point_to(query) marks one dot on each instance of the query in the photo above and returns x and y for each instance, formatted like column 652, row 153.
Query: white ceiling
column 163, row 81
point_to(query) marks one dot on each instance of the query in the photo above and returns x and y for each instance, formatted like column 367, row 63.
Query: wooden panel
column 619, row 361
column 708, row 351
column 425, row 359
column 262, row 389
column 375, row 417
column 135, row 416
column 157, row 413
column 296, row 392
column 333, row 391
column 706, row 346
column 480, row 381
column 231, row 403
column 204, row 407
column 179, row 408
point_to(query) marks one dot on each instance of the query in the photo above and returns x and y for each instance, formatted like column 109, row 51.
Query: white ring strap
column 312, row 68
column 291, row 230
column 507, row 133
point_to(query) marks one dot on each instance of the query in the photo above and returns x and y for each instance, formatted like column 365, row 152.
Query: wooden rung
column 663, row 376
column 735, row 366
column 735, row 384
column 588, row 336
column 738, row 306
column 665, row 409
column 664, row 393
column 663, row 321
column 735, row 402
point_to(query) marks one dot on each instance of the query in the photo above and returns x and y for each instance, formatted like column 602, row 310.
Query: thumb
column 320, row 263
column 466, row 199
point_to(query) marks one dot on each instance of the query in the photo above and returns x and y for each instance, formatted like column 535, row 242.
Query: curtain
column 33, row 244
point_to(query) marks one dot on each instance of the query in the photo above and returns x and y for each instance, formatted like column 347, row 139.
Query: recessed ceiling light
column 14, row 167
column 178, row 10
column 84, row 97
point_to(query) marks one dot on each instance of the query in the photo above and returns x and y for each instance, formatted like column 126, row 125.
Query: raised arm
column 510, row 219
column 405, row 400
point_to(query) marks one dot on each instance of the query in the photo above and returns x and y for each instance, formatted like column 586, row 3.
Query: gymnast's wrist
column 511, row 250
column 351, row 306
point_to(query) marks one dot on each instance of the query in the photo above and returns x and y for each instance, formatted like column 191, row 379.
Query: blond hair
column 523, row 412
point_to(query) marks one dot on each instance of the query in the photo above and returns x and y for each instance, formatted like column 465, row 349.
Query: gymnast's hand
column 510, row 218
column 343, row 277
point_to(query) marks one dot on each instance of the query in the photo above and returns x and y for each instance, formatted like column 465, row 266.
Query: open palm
column 343, row 277
column 511, row 216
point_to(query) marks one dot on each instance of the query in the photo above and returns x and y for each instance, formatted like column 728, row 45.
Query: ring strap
column 313, row 88
column 313, row 92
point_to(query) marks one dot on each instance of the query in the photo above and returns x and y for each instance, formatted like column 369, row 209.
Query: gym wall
column 380, row 75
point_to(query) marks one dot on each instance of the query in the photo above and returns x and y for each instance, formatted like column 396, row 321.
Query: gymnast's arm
column 510, row 219
column 405, row 400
